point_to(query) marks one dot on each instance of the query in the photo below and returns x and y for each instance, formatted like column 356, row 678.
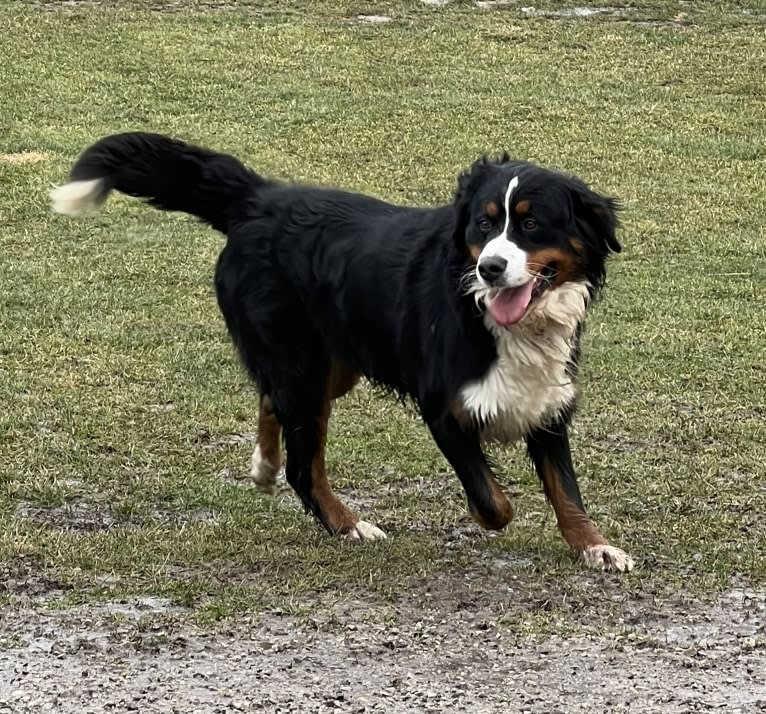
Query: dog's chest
column 530, row 383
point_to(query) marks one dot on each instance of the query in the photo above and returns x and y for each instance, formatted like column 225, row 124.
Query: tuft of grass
column 127, row 423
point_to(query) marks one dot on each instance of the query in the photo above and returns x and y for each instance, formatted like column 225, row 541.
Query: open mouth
column 508, row 305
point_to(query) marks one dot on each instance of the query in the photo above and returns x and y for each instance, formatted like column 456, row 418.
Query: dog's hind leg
column 304, row 416
column 265, row 462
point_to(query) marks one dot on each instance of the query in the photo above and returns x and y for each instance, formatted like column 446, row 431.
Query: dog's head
column 526, row 230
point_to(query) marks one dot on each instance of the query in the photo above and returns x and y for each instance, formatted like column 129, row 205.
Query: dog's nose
column 492, row 268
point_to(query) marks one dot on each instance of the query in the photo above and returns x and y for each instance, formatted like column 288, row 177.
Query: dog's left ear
column 597, row 215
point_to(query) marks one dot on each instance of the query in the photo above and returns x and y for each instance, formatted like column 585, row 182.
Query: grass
column 123, row 399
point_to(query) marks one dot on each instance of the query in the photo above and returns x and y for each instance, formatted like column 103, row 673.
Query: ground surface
column 141, row 656
column 141, row 571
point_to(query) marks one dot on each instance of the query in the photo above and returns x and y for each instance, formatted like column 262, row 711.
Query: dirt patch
column 374, row 19
column 205, row 440
column 23, row 157
column 489, row 4
column 574, row 11
column 88, row 517
column 76, row 516
column 24, row 579
column 145, row 655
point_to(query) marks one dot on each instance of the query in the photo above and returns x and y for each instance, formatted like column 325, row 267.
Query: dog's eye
column 485, row 225
column 529, row 224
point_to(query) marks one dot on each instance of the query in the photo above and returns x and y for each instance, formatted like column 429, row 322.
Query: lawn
column 127, row 423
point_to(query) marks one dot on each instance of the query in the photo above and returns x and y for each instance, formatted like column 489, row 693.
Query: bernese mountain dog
column 474, row 311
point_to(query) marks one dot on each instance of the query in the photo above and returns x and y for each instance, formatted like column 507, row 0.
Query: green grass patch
column 126, row 420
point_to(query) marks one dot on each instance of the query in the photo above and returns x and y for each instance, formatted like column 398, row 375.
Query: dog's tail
column 168, row 173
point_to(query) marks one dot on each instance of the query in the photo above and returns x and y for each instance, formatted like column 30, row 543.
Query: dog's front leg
column 549, row 450
column 462, row 447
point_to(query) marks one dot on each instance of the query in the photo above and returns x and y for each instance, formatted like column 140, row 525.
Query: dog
column 474, row 310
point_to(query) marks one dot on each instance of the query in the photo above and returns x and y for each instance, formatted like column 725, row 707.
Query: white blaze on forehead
column 512, row 184
column 501, row 247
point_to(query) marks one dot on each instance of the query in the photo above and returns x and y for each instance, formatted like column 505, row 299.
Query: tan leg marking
column 503, row 511
column 338, row 517
column 342, row 380
column 265, row 462
column 578, row 530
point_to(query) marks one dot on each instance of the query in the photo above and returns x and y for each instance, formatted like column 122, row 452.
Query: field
column 132, row 546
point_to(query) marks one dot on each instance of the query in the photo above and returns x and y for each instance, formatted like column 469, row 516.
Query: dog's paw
column 263, row 473
column 361, row 530
column 607, row 557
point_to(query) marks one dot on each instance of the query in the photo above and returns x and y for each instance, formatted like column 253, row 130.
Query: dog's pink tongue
column 510, row 304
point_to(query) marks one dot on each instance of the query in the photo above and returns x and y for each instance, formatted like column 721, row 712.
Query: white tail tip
column 77, row 197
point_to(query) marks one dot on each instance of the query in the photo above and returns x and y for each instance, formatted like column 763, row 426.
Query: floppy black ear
column 466, row 187
column 597, row 217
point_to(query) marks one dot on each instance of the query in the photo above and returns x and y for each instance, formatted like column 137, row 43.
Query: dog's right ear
column 461, row 206
column 466, row 188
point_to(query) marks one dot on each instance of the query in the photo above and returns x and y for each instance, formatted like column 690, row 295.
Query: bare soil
column 437, row 654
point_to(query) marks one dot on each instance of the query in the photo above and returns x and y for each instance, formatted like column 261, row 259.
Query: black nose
column 492, row 268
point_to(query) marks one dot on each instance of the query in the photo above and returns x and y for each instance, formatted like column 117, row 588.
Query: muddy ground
column 439, row 655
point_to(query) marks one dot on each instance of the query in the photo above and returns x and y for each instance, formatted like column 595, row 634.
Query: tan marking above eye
column 522, row 208
column 491, row 209
column 577, row 245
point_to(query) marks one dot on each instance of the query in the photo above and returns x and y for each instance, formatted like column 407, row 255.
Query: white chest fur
column 528, row 384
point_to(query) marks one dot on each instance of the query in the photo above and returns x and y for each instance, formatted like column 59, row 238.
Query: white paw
column 607, row 557
column 365, row 531
column 263, row 472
